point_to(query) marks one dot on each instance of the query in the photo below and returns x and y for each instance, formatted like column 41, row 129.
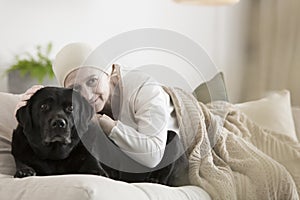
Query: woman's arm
column 145, row 141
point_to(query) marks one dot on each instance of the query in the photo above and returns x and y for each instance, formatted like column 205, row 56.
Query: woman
column 132, row 109
column 232, row 158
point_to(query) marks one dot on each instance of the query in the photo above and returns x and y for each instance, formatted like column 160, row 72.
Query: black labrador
column 55, row 135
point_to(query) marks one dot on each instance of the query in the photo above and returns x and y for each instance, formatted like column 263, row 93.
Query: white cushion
column 88, row 187
column 296, row 115
column 272, row 112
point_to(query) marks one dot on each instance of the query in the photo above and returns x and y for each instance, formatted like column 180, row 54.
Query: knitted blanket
column 231, row 157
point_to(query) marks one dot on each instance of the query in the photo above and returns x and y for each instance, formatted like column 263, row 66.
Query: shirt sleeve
column 145, row 143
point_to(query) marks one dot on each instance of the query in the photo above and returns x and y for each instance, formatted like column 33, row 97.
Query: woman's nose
column 87, row 93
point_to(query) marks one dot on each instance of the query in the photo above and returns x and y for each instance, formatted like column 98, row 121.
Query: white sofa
column 88, row 187
column 72, row 187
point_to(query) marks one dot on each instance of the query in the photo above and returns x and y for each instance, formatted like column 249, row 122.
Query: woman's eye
column 44, row 107
column 69, row 109
column 92, row 82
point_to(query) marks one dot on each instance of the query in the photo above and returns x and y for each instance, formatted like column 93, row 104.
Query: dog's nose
column 58, row 123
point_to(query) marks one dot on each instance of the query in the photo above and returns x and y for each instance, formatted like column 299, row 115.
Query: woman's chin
column 98, row 108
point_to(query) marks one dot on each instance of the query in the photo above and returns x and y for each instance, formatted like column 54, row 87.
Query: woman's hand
column 26, row 96
column 106, row 123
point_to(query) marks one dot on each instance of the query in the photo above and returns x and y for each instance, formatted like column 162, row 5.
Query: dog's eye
column 69, row 108
column 44, row 107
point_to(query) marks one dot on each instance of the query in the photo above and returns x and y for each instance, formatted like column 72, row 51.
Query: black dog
column 47, row 138
column 55, row 136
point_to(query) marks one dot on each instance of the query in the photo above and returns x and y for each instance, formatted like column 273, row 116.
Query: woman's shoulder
column 138, row 83
column 137, row 78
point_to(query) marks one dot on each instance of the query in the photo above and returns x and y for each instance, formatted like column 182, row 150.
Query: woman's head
column 92, row 82
column 69, row 58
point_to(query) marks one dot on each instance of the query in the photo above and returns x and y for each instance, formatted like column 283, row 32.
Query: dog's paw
column 24, row 172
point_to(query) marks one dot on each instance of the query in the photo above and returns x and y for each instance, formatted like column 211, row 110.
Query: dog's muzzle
column 58, row 132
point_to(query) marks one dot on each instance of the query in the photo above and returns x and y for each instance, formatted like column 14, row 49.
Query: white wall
column 27, row 23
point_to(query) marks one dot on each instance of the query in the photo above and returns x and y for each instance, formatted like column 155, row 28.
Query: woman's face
column 92, row 83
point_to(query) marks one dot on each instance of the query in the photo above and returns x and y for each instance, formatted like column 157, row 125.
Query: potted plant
column 30, row 69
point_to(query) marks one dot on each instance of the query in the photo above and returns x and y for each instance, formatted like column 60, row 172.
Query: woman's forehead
column 82, row 74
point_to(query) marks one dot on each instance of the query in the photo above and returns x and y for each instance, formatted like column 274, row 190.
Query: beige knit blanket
column 233, row 158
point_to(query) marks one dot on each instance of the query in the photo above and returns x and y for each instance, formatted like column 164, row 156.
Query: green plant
column 37, row 66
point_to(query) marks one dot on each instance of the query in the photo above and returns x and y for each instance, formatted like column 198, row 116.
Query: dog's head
column 54, row 120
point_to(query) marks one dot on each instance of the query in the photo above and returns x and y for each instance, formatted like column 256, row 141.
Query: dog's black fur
column 46, row 140
column 49, row 141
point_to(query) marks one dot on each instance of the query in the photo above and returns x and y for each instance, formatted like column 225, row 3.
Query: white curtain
column 274, row 49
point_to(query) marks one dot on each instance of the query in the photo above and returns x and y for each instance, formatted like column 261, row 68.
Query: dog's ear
column 83, row 118
column 24, row 118
column 87, row 112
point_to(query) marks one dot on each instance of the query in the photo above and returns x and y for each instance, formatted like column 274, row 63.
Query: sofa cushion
column 89, row 187
column 212, row 90
column 7, row 124
column 272, row 112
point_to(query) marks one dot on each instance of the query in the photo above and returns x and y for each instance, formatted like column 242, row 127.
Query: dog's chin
column 56, row 151
column 56, row 135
